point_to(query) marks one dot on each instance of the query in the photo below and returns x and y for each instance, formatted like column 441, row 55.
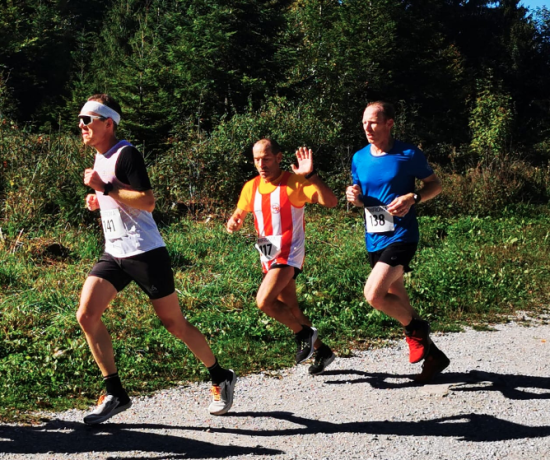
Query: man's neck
column 106, row 145
column 275, row 178
column 381, row 148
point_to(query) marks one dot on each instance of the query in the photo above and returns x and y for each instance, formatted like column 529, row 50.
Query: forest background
column 199, row 81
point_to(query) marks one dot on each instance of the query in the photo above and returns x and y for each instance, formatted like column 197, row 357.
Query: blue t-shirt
column 382, row 179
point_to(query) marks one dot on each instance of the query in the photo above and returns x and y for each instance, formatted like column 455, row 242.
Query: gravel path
column 493, row 402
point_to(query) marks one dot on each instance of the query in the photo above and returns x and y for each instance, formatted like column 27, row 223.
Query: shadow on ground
column 57, row 436
column 60, row 437
column 510, row 385
column 466, row 427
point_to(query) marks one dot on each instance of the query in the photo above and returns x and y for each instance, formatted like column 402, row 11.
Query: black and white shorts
column 151, row 271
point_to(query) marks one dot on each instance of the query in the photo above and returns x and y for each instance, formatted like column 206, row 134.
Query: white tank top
column 280, row 226
column 128, row 231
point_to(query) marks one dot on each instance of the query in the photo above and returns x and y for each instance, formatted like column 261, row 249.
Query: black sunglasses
column 87, row 119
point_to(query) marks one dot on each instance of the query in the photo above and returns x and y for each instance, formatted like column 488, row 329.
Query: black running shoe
column 305, row 340
column 435, row 363
column 323, row 357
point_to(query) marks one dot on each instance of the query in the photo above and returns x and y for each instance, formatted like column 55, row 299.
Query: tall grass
column 467, row 270
column 41, row 175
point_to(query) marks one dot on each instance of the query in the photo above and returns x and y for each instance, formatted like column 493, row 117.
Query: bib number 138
column 378, row 220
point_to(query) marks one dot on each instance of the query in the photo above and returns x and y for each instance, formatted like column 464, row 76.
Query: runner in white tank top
column 134, row 251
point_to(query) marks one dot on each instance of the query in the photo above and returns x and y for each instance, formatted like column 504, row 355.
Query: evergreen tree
column 171, row 61
column 36, row 39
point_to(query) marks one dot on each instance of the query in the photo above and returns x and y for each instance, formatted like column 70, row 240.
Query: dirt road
column 493, row 402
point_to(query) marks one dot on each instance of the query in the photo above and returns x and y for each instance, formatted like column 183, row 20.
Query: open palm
column 305, row 161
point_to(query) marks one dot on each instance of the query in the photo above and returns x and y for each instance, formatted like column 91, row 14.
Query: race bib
column 112, row 224
column 269, row 247
column 378, row 220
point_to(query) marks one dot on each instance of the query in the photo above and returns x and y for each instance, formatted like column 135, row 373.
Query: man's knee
column 374, row 297
column 177, row 327
column 262, row 302
column 87, row 319
column 173, row 320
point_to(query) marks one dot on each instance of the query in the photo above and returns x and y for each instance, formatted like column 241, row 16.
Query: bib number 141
column 112, row 224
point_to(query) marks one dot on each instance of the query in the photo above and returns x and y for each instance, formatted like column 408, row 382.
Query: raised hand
column 305, row 161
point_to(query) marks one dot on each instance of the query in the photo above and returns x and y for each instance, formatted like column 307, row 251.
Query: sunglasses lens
column 86, row 120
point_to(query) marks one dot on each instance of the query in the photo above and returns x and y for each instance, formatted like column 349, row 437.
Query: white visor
column 100, row 109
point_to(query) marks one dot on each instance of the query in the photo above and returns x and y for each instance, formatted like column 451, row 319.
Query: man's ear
column 110, row 123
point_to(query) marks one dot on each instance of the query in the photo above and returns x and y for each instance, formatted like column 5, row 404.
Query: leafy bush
column 41, row 180
column 491, row 119
column 207, row 171
column 488, row 189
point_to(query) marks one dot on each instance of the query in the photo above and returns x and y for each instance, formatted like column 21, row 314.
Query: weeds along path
column 492, row 402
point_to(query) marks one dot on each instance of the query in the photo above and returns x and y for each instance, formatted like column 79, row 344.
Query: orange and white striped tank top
column 279, row 223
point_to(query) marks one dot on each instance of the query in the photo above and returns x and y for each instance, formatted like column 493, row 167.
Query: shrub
column 205, row 172
column 487, row 189
column 41, row 179
column 491, row 120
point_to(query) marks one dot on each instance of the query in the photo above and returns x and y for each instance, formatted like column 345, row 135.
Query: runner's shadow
column 510, row 386
column 60, row 437
column 376, row 380
column 467, row 427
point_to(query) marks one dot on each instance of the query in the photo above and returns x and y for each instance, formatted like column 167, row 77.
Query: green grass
column 468, row 271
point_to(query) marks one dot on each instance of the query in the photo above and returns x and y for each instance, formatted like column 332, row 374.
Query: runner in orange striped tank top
column 277, row 199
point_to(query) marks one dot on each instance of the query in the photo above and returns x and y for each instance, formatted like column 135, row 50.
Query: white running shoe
column 222, row 395
column 107, row 406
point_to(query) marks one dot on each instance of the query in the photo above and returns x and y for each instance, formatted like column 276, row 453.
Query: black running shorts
column 151, row 271
column 394, row 255
column 297, row 271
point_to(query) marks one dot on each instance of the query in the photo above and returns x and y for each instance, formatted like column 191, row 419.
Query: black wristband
column 312, row 173
column 108, row 188
column 417, row 198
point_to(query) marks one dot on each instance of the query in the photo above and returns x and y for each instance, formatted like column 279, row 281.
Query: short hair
column 109, row 101
column 387, row 109
column 272, row 144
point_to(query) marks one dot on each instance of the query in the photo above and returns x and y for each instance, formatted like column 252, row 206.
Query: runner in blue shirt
column 384, row 174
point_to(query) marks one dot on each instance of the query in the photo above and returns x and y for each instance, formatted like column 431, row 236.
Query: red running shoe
column 419, row 341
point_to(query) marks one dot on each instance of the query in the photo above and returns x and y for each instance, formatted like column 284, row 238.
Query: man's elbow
column 149, row 205
column 438, row 187
column 331, row 202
